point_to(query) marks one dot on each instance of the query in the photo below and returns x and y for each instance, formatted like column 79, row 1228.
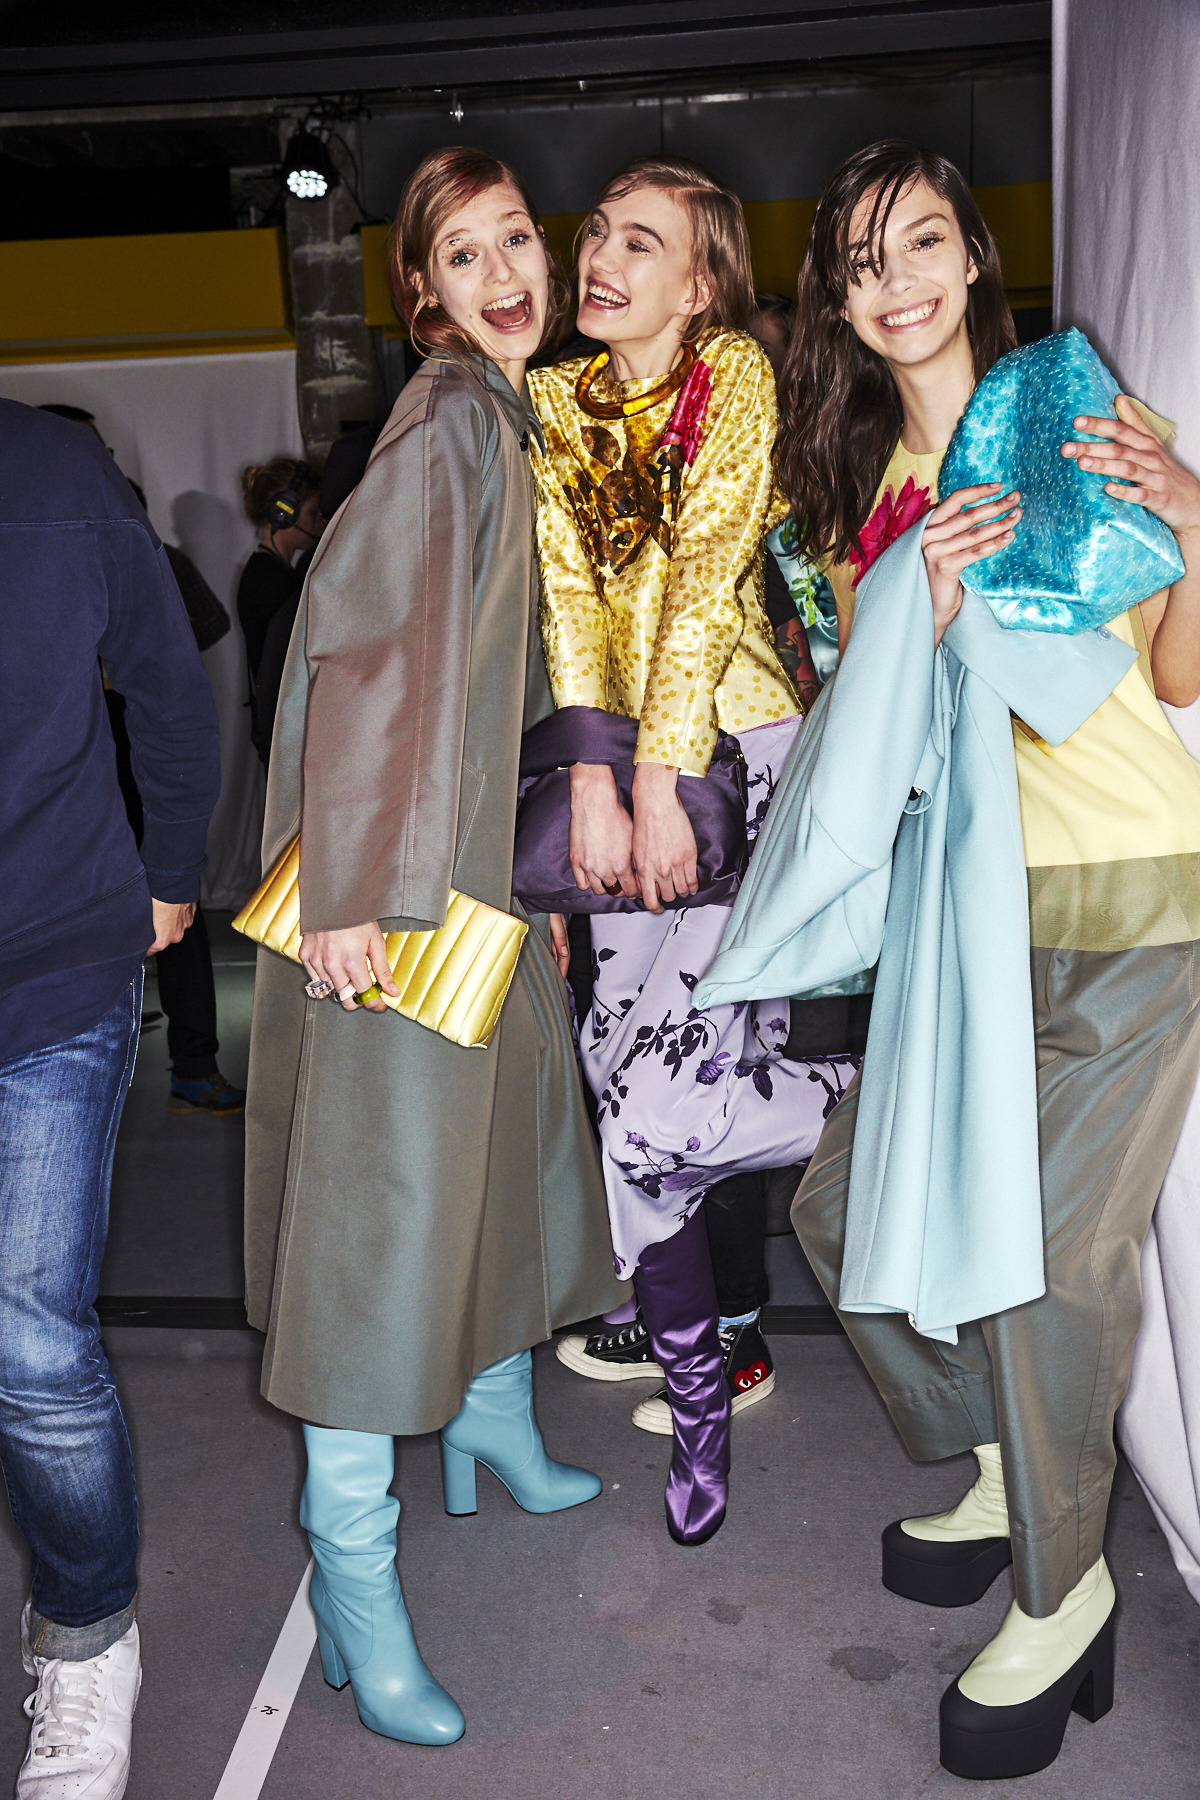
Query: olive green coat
column 414, row 1210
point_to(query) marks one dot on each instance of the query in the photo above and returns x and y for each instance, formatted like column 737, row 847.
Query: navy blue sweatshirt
column 83, row 577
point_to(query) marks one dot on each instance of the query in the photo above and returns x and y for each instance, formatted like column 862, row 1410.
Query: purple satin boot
column 674, row 1285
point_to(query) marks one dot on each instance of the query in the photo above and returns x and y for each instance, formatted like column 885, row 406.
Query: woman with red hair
column 417, row 1213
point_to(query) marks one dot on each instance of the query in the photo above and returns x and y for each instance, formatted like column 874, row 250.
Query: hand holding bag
column 453, row 980
column 715, row 804
column 1080, row 555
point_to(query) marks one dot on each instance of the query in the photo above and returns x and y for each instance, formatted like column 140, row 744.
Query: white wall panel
column 1127, row 272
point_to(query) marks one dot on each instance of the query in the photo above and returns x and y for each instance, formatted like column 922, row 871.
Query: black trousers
column 735, row 1216
column 189, row 999
column 185, row 975
column 735, row 1210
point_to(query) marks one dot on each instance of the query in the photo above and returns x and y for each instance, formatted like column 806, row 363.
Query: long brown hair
column 720, row 240
column 436, row 188
column 840, row 410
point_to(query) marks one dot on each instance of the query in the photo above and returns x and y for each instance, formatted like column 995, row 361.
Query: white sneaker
column 82, row 1716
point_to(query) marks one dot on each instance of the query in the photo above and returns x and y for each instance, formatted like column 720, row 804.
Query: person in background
column 771, row 324
column 344, row 468
column 346, row 465
column 281, row 498
column 79, row 415
column 82, row 577
column 185, row 973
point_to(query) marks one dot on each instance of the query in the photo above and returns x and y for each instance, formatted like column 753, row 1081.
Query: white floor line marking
column 258, row 1740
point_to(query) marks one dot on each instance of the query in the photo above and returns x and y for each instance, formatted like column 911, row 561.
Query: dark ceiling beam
column 548, row 44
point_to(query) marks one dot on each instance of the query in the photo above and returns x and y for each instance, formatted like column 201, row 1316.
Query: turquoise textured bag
column 1079, row 557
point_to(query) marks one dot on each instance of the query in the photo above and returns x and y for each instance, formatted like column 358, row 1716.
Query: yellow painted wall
column 169, row 294
column 1018, row 215
column 69, row 298
column 380, row 310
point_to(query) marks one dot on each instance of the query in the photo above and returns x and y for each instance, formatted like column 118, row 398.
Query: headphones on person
column 284, row 508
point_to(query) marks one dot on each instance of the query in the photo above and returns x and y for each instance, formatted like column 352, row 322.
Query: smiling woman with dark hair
column 418, row 1213
column 901, row 315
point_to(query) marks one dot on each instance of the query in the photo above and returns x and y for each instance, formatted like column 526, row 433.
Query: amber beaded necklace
column 629, row 409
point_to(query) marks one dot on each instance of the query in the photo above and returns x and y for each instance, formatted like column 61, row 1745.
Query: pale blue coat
column 895, row 835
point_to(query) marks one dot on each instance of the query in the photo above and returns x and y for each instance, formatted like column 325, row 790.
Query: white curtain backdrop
column 184, row 427
column 1127, row 272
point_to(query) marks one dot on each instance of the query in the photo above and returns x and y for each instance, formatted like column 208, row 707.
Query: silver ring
column 317, row 990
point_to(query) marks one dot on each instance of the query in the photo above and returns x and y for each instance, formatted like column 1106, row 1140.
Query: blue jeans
column 64, row 1447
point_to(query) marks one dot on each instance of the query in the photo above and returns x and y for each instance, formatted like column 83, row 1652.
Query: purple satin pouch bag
column 715, row 803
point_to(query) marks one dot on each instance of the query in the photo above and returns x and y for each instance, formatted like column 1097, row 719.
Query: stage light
column 307, row 167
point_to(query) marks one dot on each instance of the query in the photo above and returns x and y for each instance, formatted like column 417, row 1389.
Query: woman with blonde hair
column 417, row 1213
column 655, row 490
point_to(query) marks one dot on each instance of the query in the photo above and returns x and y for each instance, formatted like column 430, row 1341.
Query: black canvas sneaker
column 749, row 1372
column 614, row 1353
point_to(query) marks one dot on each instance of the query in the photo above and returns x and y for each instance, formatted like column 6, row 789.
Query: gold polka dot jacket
column 650, row 541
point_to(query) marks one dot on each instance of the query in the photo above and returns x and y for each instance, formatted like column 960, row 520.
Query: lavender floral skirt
column 685, row 1097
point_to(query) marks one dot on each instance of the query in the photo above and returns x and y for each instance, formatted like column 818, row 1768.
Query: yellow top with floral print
column 907, row 491
column 1111, row 816
column 650, row 542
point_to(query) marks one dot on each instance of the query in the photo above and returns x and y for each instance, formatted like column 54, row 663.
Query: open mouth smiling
column 605, row 298
column 905, row 319
column 512, row 312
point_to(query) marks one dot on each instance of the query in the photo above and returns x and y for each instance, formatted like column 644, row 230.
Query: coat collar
column 516, row 408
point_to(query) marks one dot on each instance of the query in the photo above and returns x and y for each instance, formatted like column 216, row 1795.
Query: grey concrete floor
column 594, row 1659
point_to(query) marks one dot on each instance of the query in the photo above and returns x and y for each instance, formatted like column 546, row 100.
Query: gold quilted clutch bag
column 454, row 979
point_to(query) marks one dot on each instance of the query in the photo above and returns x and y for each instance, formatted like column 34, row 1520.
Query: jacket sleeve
column 151, row 656
column 572, row 613
column 387, row 629
column 724, row 506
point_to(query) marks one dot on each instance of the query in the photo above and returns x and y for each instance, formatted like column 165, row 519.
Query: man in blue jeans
column 83, row 580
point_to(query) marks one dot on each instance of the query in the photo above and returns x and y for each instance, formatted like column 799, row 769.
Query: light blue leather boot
column 495, row 1426
column 363, row 1631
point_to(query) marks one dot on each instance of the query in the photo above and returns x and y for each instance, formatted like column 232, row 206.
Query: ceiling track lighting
column 308, row 167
